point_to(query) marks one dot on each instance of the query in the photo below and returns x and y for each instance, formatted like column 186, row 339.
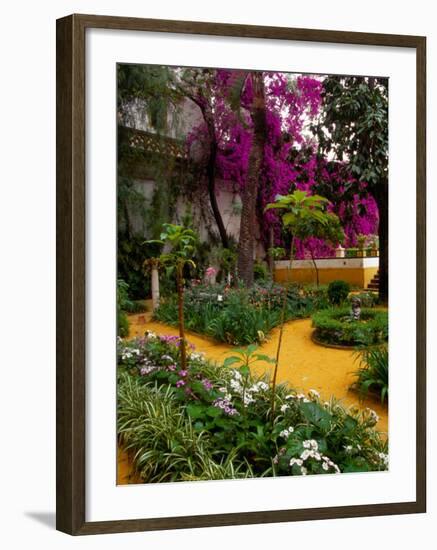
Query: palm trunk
column 155, row 286
column 180, row 285
column 246, row 242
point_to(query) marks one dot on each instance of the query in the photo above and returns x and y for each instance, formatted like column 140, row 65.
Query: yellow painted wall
column 357, row 276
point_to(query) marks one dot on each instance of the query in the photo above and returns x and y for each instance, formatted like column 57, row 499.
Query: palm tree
column 181, row 247
column 249, row 197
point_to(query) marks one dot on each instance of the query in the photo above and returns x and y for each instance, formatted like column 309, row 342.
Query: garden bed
column 241, row 316
column 215, row 421
column 337, row 327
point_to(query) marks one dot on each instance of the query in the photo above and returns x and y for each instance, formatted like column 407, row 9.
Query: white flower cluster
column 226, row 394
column 298, row 396
column 197, row 356
column 383, row 458
column 286, row 432
column 127, row 353
column 311, row 450
column 237, row 386
column 312, row 394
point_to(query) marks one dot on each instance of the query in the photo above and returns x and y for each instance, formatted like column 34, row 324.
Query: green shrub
column 244, row 316
column 260, row 272
column 123, row 305
column 131, row 254
column 336, row 326
column 338, row 291
column 122, row 324
column 373, row 371
column 214, row 421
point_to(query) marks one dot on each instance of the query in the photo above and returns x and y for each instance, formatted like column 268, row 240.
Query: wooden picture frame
column 71, row 253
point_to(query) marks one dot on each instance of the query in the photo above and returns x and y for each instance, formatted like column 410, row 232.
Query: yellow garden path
column 303, row 364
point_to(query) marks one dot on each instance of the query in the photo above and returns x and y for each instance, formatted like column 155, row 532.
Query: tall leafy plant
column 301, row 211
column 179, row 249
column 326, row 227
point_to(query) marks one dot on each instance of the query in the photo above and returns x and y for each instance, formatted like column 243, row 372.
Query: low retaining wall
column 356, row 271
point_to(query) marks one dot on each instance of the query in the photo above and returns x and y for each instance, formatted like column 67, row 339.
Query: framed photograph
column 241, row 324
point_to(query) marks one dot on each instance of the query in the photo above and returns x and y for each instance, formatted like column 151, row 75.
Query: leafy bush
column 373, row 371
column 241, row 316
column 260, row 272
column 123, row 305
column 214, row 421
column 131, row 254
column 338, row 292
column 336, row 326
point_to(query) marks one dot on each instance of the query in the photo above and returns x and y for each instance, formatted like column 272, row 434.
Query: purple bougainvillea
column 290, row 158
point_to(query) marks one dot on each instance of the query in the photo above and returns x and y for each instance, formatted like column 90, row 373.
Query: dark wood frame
column 70, row 299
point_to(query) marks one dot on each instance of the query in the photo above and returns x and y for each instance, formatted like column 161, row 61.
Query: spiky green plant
column 373, row 371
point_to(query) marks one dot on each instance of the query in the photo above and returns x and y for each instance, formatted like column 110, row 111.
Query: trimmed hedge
column 336, row 326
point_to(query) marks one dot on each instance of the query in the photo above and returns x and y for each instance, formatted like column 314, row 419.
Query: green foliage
column 261, row 271
column 336, row 326
column 242, row 316
column 150, row 89
column 306, row 216
column 213, row 421
column 372, row 374
column 181, row 243
column 302, row 211
column 276, row 252
column 123, row 305
column 353, row 130
column 354, row 125
column 338, row 291
column 130, row 257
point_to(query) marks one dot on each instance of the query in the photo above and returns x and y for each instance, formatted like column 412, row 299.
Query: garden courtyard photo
column 252, row 274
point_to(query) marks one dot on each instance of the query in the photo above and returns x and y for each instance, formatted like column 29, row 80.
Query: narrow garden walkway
column 303, row 364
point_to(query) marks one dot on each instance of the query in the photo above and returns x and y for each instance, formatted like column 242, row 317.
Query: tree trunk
column 180, row 285
column 381, row 197
column 155, row 287
column 210, row 175
column 246, row 241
